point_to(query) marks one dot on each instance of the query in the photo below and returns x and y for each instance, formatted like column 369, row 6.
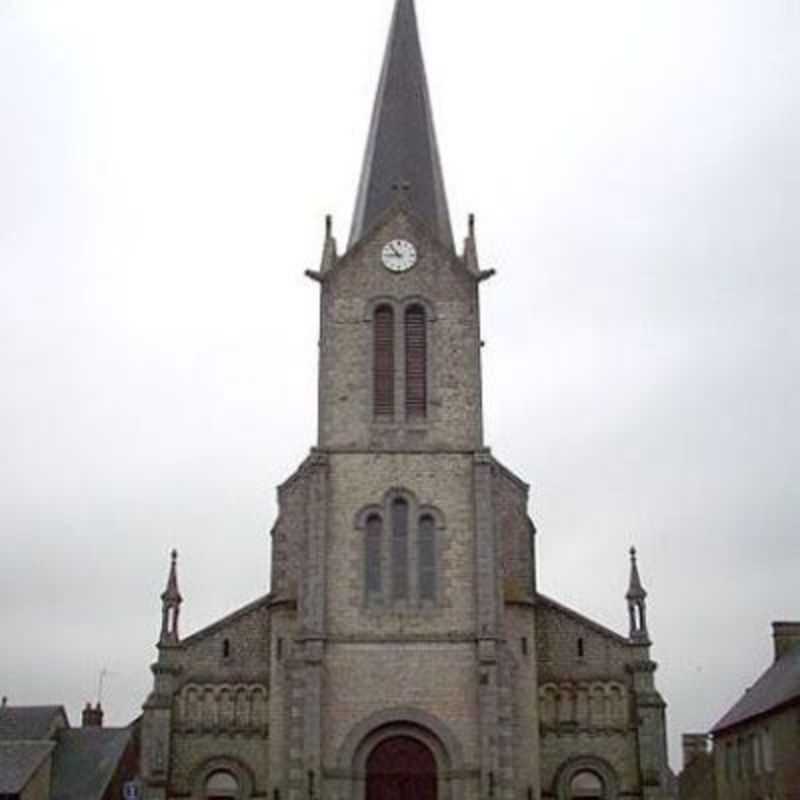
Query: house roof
column 19, row 761
column 29, row 723
column 86, row 760
column 779, row 685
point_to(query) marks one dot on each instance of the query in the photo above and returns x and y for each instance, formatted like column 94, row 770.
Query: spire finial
column 402, row 163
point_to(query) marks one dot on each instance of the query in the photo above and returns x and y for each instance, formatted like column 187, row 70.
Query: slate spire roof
column 402, row 159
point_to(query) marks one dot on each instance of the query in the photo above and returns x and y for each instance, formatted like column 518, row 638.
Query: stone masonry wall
column 363, row 679
column 520, row 634
column 440, row 480
column 288, row 534
column 585, row 698
column 220, row 709
column 513, row 526
column 203, row 657
column 351, row 290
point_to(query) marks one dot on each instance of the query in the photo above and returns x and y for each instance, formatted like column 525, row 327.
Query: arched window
column 222, row 785
column 426, row 558
column 416, row 362
column 372, row 558
column 383, row 362
column 403, row 545
column 586, row 786
column 399, row 549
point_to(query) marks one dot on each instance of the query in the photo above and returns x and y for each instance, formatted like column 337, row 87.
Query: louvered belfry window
column 399, row 550
column 426, row 557
column 384, row 361
column 416, row 362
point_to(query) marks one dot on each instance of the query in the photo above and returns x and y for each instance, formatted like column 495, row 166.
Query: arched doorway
column 401, row 768
column 222, row 785
column 586, row 785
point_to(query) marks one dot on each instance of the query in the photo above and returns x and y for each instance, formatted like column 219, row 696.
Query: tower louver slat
column 416, row 363
column 384, row 362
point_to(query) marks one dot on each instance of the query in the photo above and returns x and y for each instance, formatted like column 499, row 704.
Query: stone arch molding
column 598, row 705
column 403, row 721
column 569, row 769
column 399, row 305
column 394, row 493
column 237, row 768
column 239, row 708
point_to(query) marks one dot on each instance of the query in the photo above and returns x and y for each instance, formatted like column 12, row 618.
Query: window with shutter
column 373, row 556
column 426, row 546
column 399, row 550
column 416, row 362
column 384, row 362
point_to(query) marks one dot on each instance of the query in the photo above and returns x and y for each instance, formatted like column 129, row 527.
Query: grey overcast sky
column 164, row 173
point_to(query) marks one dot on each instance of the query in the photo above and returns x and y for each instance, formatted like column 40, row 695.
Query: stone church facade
column 403, row 650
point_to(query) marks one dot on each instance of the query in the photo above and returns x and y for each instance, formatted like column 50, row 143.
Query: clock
column 399, row 255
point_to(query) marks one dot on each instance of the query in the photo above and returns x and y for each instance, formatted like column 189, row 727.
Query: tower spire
column 402, row 158
column 170, row 605
column 637, row 608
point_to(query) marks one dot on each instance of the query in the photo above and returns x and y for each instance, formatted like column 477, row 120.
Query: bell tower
column 400, row 577
column 399, row 364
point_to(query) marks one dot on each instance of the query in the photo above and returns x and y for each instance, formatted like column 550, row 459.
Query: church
column 403, row 651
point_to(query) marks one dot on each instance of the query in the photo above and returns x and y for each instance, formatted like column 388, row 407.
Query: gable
column 19, row 763
column 570, row 643
column 206, row 657
column 438, row 271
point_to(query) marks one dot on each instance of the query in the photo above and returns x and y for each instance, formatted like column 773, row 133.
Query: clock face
column 399, row 255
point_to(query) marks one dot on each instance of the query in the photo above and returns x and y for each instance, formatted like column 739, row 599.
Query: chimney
column 694, row 745
column 786, row 636
column 92, row 717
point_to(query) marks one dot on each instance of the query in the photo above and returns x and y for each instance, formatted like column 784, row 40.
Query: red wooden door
column 401, row 769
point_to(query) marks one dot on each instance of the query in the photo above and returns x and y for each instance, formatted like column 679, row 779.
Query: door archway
column 587, row 785
column 401, row 768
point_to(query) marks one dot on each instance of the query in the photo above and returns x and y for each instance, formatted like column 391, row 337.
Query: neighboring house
column 42, row 758
column 404, row 652
column 757, row 743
